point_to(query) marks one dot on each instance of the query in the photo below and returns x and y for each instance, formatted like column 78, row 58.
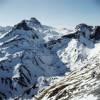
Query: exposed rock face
column 82, row 27
column 80, row 84
column 35, row 21
column 22, row 25
column 83, row 34
column 85, row 30
column 97, row 33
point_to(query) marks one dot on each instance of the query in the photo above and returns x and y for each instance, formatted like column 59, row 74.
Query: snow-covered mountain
column 24, row 58
column 82, row 55
column 48, row 33
column 34, row 56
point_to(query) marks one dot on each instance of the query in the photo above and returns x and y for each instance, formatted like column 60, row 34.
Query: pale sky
column 58, row 13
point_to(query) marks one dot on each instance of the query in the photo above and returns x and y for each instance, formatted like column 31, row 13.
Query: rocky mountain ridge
column 32, row 56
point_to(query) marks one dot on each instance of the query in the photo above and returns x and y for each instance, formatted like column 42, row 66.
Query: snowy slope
column 82, row 84
column 34, row 56
column 48, row 33
column 82, row 55
column 23, row 59
column 76, row 47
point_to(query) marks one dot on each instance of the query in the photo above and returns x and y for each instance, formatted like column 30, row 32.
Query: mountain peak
column 34, row 20
column 83, row 26
column 22, row 25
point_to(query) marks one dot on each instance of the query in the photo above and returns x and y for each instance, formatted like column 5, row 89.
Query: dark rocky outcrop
column 35, row 21
column 82, row 25
column 22, row 25
column 96, row 34
column 73, row 35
